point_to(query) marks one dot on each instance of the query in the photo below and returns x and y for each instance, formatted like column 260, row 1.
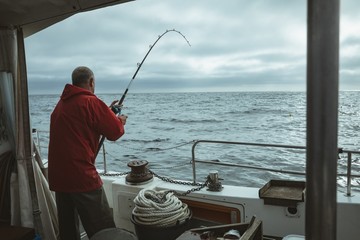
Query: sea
column 163, row 127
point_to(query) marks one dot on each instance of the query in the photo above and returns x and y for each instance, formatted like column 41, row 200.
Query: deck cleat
column 214, row 184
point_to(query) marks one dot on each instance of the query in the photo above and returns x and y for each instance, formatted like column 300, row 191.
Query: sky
column 236, row 45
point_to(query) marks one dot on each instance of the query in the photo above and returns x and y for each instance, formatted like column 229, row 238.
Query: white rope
column 159, row 208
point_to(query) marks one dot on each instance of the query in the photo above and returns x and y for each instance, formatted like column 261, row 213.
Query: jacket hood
column 71, row 90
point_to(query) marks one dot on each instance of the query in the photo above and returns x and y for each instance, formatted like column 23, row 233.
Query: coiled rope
column 159, row 209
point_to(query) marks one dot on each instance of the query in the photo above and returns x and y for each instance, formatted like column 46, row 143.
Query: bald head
column 83, row 77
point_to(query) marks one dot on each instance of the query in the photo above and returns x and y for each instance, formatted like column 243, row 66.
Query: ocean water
column 162, row 127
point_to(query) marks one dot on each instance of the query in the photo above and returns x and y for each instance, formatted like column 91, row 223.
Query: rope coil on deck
column 159, row 209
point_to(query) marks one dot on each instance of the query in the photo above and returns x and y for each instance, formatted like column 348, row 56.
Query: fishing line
column 117, row 108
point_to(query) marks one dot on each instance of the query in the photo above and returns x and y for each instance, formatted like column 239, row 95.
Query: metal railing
column 348, row 173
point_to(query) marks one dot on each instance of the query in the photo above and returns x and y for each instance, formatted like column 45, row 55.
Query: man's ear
column 92, row 85
column 92, row 82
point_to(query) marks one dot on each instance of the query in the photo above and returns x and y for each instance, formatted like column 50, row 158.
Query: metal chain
column 162, row 199
column 166, row 179
column 114, row 174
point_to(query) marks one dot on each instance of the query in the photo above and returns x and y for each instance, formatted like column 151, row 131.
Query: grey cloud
column 235, row 44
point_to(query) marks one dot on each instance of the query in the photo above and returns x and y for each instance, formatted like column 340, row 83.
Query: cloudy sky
column 236, row 45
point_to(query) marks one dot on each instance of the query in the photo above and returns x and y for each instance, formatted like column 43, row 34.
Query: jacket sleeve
column 105, row 121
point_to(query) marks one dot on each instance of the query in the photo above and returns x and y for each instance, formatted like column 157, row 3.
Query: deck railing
column 348, row 173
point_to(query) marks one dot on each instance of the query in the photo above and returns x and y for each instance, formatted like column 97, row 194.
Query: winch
column 139, row 173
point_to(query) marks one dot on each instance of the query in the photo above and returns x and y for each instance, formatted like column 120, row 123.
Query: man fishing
column 78, row 121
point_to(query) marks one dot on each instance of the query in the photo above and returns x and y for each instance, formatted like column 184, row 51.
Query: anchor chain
column 166, row 179
column 114, row 174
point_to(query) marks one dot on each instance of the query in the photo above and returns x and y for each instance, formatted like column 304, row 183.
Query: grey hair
column 81, row 75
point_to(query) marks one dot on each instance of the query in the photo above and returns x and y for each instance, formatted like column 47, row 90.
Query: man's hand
column 122, row 118
column 113, row 103
column 115, row 107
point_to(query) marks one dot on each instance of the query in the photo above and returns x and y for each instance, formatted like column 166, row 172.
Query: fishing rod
column 117, row 107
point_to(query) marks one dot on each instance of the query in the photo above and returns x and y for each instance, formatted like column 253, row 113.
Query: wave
column 176, row 120
column 159, row 122
column 156, row 140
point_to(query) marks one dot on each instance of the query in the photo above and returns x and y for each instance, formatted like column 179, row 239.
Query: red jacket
column 77, row 122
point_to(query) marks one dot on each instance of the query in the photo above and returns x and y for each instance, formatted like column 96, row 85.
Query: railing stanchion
column 348, row 184
column 193, row 160
column 104, row 157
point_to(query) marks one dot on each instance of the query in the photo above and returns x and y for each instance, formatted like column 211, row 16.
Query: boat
column 280, row 204
column 318, row 210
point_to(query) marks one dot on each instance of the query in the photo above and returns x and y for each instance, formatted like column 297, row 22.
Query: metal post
column 348, row 173
column 104, row 158
column 322, row 118
column 194, row 160
column 38, row 142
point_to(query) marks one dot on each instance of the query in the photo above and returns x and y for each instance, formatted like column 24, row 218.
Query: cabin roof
column 36, row 15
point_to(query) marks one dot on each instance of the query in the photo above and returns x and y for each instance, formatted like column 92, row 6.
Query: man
column 77, row 123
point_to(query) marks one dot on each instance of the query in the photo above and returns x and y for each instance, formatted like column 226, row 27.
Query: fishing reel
column 116, row 109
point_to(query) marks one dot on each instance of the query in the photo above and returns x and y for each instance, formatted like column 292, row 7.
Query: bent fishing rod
column 117, row 108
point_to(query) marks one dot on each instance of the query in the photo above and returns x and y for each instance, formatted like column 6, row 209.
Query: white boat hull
column 277, row 220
